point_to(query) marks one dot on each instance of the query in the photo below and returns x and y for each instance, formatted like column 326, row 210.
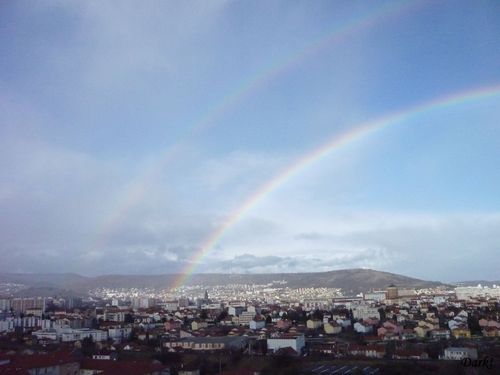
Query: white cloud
column 119, row 43
column 384, row 241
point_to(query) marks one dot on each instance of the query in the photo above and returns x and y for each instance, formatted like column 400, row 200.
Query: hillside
column 350, row 280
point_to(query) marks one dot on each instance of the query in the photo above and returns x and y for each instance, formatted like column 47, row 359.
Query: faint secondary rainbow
column 135, row 192
column 358, row 132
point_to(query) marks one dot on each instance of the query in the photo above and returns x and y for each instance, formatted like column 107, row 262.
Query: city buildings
column 259, row 320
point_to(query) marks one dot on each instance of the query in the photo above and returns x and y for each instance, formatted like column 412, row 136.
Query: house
column 172, row 324
column 369, row 351
column 392, row 327
column 344, row 322
column 314, row 323
column 421, row 331
column 389, row 331
column 323, row 348
column 460, row 332
column 440, row 333
column 284, row 324
column 408, row 334
column 332, row 328
column 428, row 324
column 362, row 328
column 226, row 322
column 489, row 323
column 207, row 343
column 410, row 354
column 257, row 323
column 491, row 332
column 371, row 321
column 235, row 310
column 198, row 324
column 119, row 334
column 401, row 318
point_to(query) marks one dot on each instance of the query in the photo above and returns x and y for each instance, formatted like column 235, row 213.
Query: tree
column 317, row 314
column 222, row 316
column 129, row 318
column 473, row 324
column 383, row 316
column 390, row 348
column 203, row 314
column 88, row 346
column 261, row 346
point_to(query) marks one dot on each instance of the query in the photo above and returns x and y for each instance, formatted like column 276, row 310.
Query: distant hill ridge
column 350, row 280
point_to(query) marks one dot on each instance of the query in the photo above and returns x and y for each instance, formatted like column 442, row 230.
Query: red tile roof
column 121, row 367
column 23, row 363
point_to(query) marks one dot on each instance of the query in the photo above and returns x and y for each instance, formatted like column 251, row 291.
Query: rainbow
column 135, row 192
column 357, row 133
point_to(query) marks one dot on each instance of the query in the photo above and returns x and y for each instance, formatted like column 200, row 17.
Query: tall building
column 73, row 302
column 392, row 292
column 4, row 304
column 143, row 302
column 20, row 305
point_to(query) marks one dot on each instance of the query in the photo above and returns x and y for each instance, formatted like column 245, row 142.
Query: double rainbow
column 328, row 148
column 136, row 191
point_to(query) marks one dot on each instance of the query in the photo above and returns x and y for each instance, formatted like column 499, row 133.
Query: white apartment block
column 379, row 295
column 235, row 310
column 246, row 317
column 171, row 305
column 69, row 334
column 365, row 312
column 143, row 302
column 4, row 304
column 7, row 325
column 460, row 353
column 119, row 334
column 277, row 342
column 254, row 309
column 257, row 324
column 114, row 316
column 208, row 343
column 314, row 304
column 467, row 292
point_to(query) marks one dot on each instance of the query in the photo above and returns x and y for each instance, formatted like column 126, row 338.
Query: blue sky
column 94, row 94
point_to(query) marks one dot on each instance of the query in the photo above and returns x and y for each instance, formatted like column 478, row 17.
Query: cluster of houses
column 359, row 326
